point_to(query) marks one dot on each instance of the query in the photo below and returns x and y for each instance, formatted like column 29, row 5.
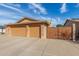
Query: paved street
column 21, row 46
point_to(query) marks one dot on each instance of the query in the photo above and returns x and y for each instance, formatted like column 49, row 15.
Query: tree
column 59, row 25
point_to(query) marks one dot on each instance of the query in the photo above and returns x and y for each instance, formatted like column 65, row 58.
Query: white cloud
column 11, row 14
column 13, row 8
column 58, row 19
column 38, row 8
column 4, row 13
column 7, row 16
column 21, row 12
column 6, row 21
column 45, row 18
column 14, row 4
column 54, row 21
column 63, row 8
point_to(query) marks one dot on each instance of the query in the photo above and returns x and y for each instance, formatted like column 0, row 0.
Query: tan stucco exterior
column 27, row 28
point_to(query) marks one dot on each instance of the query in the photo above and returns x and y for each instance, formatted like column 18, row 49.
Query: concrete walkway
column 21, row 46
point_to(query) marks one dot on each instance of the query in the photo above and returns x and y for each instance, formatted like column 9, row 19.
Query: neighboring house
column 28, row 27
column 69, row 22
column 75, row 21
column 2, row 29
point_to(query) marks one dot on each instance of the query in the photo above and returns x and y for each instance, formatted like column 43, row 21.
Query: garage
column 18, row 30
column 28, row 28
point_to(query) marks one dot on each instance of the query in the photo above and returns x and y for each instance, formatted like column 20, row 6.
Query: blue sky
column 57, row 13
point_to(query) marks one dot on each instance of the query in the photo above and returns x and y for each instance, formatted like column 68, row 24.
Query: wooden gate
column 59, row 33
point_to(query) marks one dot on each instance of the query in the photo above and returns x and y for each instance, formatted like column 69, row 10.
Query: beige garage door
column 35, row 32
column 19, row 31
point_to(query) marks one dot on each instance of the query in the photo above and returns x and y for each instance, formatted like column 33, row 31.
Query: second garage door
column 35, row 32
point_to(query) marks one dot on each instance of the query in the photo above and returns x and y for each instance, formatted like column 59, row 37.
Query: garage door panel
column 35, row 32
column 18, row 31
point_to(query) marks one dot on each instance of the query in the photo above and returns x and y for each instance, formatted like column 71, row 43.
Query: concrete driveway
column 21, row 46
